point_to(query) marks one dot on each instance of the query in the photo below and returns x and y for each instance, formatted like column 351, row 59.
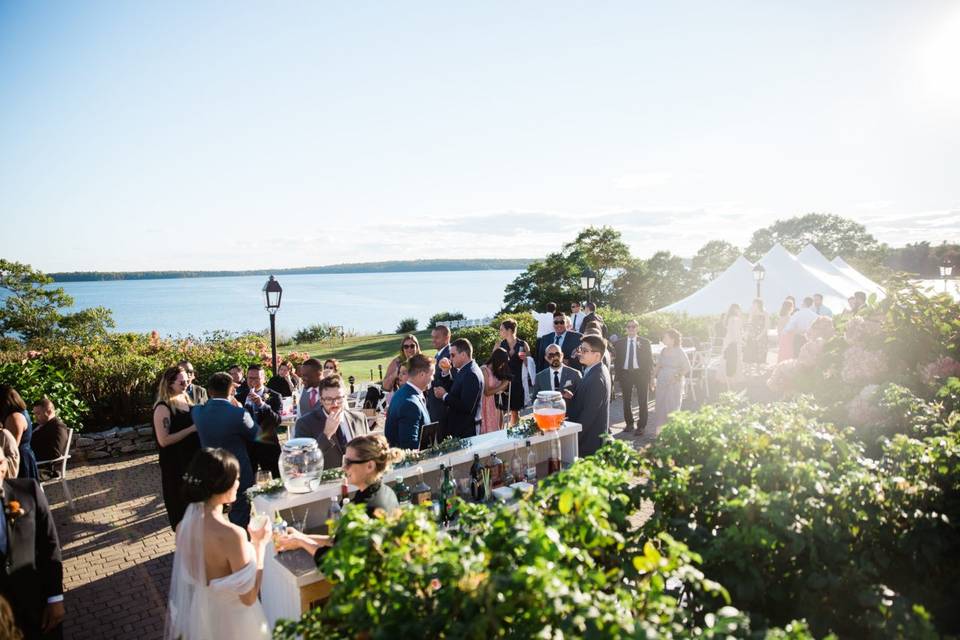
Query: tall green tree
column 833, row 235
column 648, row 285
column 604, row 251
column 712, row 259
column 34, row 311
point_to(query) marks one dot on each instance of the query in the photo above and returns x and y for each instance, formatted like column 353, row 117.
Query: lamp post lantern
column 946, row 269
column 272, row 292
column 587, row 280
column 759, row 273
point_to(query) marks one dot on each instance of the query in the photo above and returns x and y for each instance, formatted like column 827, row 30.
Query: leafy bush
column 652, row 325
column 407, row 325
column 443, row 317
column 790, row 515
column 35, row 379
column 483, row 339
column 317, row 333
column 565, row 564
column 526, row 325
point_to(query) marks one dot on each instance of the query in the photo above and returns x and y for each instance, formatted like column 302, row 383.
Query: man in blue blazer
column 225, row 424
column 590, row 404
column 463, row 399
column 563, row 337
column 407, row 413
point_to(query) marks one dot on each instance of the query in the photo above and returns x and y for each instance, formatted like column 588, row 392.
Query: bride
column 216, row 571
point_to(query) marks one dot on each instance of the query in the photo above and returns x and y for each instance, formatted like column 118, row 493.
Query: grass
column 360, row 355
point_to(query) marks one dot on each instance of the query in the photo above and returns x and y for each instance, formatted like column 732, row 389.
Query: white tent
column 736, row 284
column 815, row 261
column 787, row 276
column 864, row 283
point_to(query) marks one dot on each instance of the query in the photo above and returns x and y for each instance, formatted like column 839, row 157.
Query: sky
column 235, row 135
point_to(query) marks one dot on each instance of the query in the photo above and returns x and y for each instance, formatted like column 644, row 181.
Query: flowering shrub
column 791, row 516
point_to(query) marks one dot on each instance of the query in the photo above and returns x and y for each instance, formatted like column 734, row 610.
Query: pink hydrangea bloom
column 862, row 365
column 939, row 369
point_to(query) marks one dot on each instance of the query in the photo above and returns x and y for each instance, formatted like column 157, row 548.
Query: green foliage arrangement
column 793, row 518
column 407, row 325
column 566, row 563
column 34, row 379
column 652, row 325
column 443, row 317
column 483, row 338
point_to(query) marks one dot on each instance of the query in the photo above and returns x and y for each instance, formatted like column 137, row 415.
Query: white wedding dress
column 201, row 611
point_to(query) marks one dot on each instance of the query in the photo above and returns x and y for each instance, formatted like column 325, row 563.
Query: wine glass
column 264, row 477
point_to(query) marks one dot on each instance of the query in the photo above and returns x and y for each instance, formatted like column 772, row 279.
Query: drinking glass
column 263, row 477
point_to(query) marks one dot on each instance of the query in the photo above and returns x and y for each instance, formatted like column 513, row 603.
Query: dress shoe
column 629, row 428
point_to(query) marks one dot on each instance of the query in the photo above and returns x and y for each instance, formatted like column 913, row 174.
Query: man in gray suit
column 310, row 372
column 333, row 426
column 557, row 376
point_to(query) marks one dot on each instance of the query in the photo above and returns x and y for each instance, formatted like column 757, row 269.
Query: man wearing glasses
column 333, row 425
column 557, row 376
column 567, row 340
column 590, row 403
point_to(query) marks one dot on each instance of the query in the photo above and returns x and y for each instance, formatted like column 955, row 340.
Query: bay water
column 362, row 302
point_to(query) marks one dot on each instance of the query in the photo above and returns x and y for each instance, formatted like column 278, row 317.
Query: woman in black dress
column 517, row 350
column 176, row 437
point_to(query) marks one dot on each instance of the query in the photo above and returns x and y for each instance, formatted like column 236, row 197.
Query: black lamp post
column 759, row 273
column 272, row 292
column 587, row 280
column 945, row 270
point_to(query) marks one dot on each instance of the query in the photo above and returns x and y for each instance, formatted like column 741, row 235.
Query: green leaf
column 566, row 502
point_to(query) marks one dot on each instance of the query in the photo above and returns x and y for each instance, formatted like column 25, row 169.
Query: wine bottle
column 476, row 479
column 553, row 462
column 402, row 490
column 448, row 490
column 421, row 491
column 531, row 474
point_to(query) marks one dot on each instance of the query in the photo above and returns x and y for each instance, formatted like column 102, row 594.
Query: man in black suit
column 593, row 317
column 633, row 363
column 463, row 399
column 590, row 404
column 442, row 378
column 264, row 406
column 31, row 578
column 567, row 340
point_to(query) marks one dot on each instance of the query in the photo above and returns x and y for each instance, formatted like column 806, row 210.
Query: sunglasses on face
column 349, row 461
column 553, row 355
column 409, row 346
column 559, row 322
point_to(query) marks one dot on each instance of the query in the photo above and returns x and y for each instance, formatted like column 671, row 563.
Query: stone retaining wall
column 112, row 443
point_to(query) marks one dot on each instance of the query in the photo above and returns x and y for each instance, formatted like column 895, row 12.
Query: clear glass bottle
column 531, row 471
column 516, row 466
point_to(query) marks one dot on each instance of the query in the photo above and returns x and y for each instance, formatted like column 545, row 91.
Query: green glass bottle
column 448, row 491
column 402, row 490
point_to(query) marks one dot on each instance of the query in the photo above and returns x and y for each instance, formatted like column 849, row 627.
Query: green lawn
column 360, row 355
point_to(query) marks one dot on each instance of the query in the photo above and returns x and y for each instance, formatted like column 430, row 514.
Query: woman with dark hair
column 216, row 571
column 496, row 385
column 409, row 347
column 286, row 382
column 517, row 351
column 176, row 437
column 16, row 419
column 366, row 460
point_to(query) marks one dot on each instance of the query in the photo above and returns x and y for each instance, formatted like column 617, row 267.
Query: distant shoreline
column 392, row 266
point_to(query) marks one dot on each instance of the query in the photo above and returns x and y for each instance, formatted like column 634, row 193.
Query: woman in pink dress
column 785, row 351
column 496, row 383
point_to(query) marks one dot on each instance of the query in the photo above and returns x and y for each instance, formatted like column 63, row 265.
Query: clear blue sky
column 204, row 135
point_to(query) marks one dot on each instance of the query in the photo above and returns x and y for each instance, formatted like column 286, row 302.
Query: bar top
column 485, row 444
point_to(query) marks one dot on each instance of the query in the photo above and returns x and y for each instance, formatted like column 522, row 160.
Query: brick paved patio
column 117, row 546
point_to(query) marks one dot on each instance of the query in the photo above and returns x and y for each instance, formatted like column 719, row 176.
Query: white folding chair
column 61, row 472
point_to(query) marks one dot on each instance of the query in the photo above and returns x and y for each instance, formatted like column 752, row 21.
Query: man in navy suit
column 590, row 405
column 407, row 413
column 223, row 424
column 633, row 364
column 567, row 340
column 264, row 406
column 441, row 377
column 463, row 399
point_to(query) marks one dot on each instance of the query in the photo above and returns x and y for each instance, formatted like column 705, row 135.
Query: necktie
column 556, row 381
column 630, row 354
column 556, row 339
column 313, row 397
